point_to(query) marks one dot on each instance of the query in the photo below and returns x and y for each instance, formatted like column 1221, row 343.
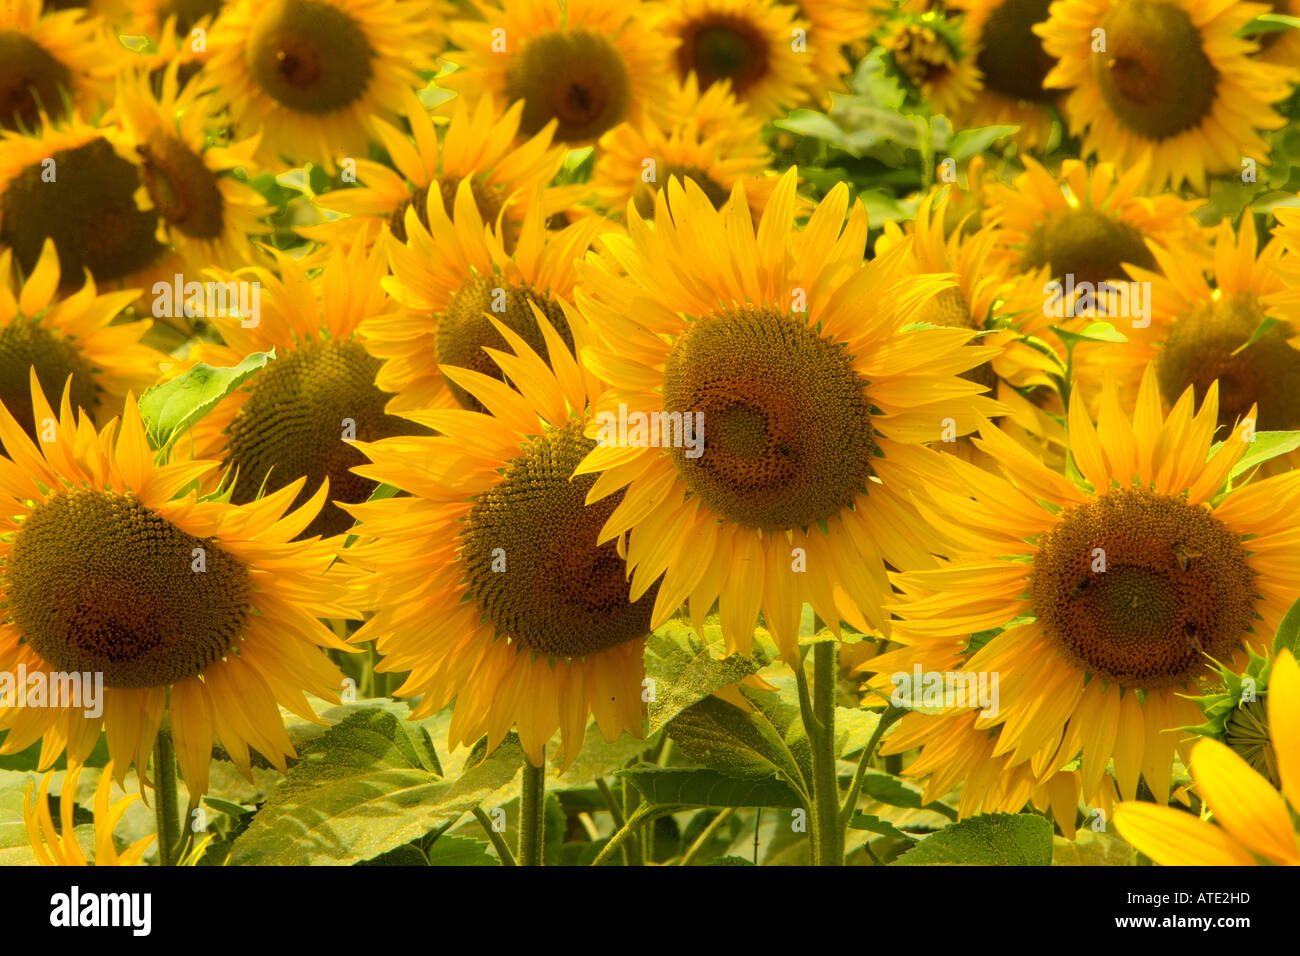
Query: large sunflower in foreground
column 490, row 584
column 1254, row 824
column 481, row 146
column 587, row 64
column 815, row 401
column 200, row 608
column 68, row 335
column 205, row 214
column 1119, row 590
column 1174, row 86
column 299, row 416
column 454, row 276
column 749, row 43
column 47, row 55
column 58, row 846
column 309, row 74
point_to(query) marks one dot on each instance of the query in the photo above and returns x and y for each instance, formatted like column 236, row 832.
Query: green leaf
column 1096, row 332
column 365, row 786
column 1288, row 632
column 725, row 738
column 969, row 142
column 810, row 123
column 1260, row 331
column 686, row 669
column 172, row 407
column 873, row 824
column 1266, row 446
column 1270, row 23
column 1091, row 849
column 406, row 855
column 450, row 850
column 991, row 839
column 707, row 788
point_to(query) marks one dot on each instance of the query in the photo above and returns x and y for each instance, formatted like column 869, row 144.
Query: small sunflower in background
column 833, row 27
column 59, row 846
column 491, row 582
column 151, row 16
column 68, row 338
column 713, row 142
column 454, row 279
column 299, row 417
column 1249, row 823
column 751, row 44
column 206, row 214
column 1281, row 46
column 177, row 33
column 586, row 64
column 199, row 609
column 482, row 146
column 310, row 74
column 1011, row 65
column 1120, row 590
column 47, row 55
column 928, row 52
column 1174, row 85
column 815, row 408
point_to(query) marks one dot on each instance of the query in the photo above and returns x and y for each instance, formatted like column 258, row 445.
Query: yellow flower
column 59, row 847
column 1253, row 823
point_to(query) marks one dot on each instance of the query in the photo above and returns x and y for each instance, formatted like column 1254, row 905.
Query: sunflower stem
column 887, row 718
column 828, row 845
column 498, row 841
column 166, row 812
column 633, row 849
column 531, row 813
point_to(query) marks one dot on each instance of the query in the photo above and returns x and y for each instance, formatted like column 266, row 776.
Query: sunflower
column 58, row 846
column 814, row 397
column 150, row 17
column 1254, row 824
column 69, row 184
column 1174, row 86
column 491, row 583
column 749, row 42
column 101, row 575
column 587, row 64
column 714, row 142
column 833, row 26
column 1281, row 47
column 170, row 41
column 46, row 55
column 927, row 51
column 205, row 213
column 299, row 416
column 451, row 278
column 480, row 146
column 1119, row 590
column 62, row 336
column 309, row 74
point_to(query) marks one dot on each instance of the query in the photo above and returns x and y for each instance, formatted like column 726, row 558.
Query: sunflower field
column 649, row 433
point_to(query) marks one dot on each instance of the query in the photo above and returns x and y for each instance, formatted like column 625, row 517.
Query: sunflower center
column 787, row 422
column 1135, row 586
column 1086, row 243
column 574, row 77
column 723, row 47
column 82, row 198
column 295, row 421
column 98, row 582
column 487, row 198
column 531, row 559
column 182, row 188
column 1011, row 55
column 187, row 12
column 644, row 197
column 1155, row 75
column 464, row 331
column 1201, row 346
column 24, row 344
column 30, row 78
column 309, row 56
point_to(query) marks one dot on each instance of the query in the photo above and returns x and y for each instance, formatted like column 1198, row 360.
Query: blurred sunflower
column 928, row 52
column 58, row 846
column 834, row 26
column 46, row 55
column 749, row 42
column 310, row 74
column 1254, row 825
column 1175, row 86
column 1119, row 591
column 491, row 585
column 816, row 408
column 100, row 562
column 451, row 278
column 1011, row 65
column 713, row 142
column 151, row 16
column 481, row 147
column 207, row 215
column 298, row 418
column 1282, row 46
column 62, row 336
column 587, row 64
